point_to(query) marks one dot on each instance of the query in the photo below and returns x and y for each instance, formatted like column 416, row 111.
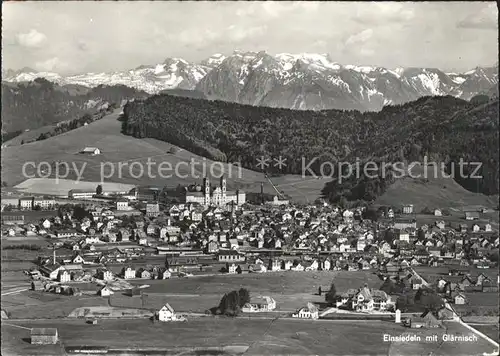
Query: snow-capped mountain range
column 298, row 81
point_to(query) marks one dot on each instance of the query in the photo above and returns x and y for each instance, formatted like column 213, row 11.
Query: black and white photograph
column 247, row 178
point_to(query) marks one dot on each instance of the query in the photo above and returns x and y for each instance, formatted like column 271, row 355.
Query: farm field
column 291, row 290
column 262, row 337
column 441, row 347
column 60, row 187
column 31, row 216
column 437, row 192
column 287, row 282
column 489, row 330
column 43, row 305
column 479, row 304
column 15, row 261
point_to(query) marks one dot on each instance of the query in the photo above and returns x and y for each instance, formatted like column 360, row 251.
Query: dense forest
column 445, row 129
column 39, row 103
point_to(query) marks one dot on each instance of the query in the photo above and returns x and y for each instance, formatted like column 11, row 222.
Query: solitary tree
column 244, row 296
column 98, row 190
column 319, row 290
column 330, row 295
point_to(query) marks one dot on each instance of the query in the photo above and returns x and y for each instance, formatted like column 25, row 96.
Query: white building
column 64, row 276
column 309, row 312
column 128, row 273
column 122, row 204
column 276, row 201
column 44, row 203
column 106, row 291
column 80, row 194
column 259, row 304
column 408, row 209
column 167, row 313
column 91, row 151
column 232, row 269
column 26, row 203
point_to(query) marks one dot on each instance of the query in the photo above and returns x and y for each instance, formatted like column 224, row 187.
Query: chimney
column 54, row 259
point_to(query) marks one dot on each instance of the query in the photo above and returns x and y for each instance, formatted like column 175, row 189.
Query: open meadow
column 33, row 216
column 60, row 187
column 43, row 305
column 434, row 191
column 261, row 336
column 291, row 290
column 490, row 330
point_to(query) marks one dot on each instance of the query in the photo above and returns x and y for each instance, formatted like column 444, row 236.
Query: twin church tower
column 215, row 196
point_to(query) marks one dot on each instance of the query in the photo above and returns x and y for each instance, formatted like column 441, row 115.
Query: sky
column 77, row 37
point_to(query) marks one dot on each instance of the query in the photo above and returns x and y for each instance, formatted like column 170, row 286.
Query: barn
column 44, row 336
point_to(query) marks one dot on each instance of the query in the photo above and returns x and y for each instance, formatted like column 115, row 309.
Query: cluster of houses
column 255, row 239
column 459, row 282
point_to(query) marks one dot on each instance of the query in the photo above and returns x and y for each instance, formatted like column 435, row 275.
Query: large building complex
column 218, row 196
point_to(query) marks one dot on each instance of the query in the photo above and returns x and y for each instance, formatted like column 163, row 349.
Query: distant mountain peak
column 301, row 80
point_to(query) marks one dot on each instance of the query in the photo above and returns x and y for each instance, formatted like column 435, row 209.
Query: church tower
column 223, row 187
column 206, row 186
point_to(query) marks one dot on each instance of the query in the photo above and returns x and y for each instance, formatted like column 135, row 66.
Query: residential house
column 128, row 272
column 124, row 235
column 105, row 291
column 462, row 227
column 232, row 269
column 167, row 313
column 63, row 276
column 78, row 259
column 143, row 273
column 362, row 300
column 46, row 224
column 309, row 312
column 460, row 299
column 152, row 209
column 104, row 274
column 471, row 215
column 440, row 224
column 259, row 304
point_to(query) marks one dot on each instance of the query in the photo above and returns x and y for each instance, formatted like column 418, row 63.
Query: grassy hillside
column 433, row 192
column 117, row 147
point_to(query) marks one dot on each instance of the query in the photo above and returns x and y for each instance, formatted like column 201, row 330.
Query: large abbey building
column 219, row 196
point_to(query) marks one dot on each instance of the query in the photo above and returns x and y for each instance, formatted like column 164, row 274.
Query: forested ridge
column 443, row 128
column 30, row 105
